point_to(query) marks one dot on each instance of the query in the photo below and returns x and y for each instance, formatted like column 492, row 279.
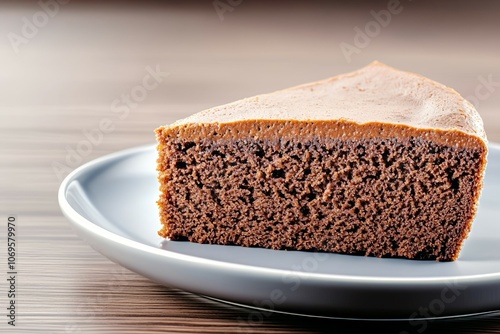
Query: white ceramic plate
column 111, row 202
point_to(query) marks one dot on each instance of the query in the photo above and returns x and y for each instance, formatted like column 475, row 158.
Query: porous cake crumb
column 377, row 162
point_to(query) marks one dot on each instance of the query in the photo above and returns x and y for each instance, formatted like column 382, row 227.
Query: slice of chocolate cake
column 378, row 162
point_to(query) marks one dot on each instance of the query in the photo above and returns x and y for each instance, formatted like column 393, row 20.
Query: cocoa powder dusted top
column 373, row 96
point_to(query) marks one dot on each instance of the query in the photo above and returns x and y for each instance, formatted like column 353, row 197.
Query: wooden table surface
column 66, row 67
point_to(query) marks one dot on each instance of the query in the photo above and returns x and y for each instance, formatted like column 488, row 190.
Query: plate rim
column 76, row 219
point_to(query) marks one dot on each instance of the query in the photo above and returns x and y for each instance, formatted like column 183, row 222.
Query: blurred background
column 94, row 77
column 66, row 65
column 81, row 54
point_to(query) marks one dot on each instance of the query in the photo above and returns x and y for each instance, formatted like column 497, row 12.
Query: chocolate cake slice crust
column 336, row 166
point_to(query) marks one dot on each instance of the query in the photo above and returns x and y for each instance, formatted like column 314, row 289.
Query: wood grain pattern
column 65, row 80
